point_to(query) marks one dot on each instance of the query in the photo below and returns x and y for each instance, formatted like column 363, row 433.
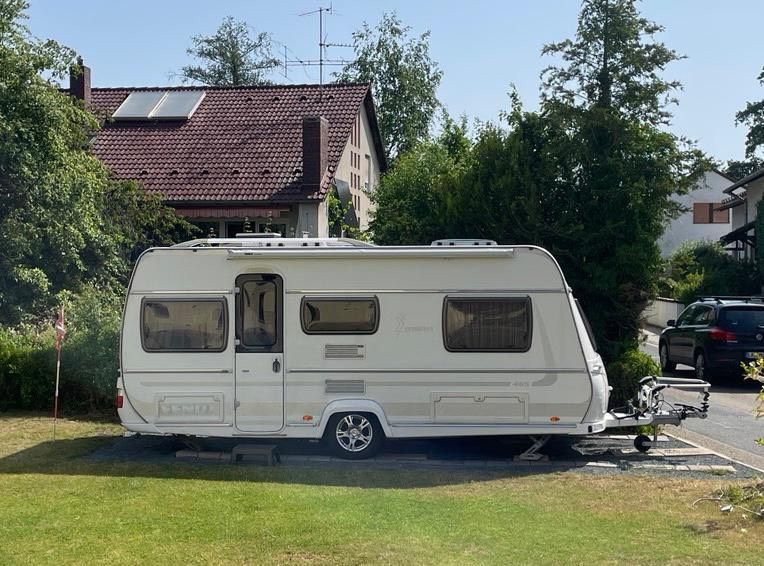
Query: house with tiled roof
column 700, row 219
column 222, row 155
column 743, row 200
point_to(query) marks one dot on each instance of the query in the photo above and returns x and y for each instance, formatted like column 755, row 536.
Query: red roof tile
column 241, row 145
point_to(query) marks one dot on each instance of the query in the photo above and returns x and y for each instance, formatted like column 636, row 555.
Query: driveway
column 730, row 428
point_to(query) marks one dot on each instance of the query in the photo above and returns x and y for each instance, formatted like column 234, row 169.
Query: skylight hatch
column 159, row 105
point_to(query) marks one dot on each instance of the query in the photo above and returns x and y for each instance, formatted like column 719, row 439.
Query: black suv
column 714, row 335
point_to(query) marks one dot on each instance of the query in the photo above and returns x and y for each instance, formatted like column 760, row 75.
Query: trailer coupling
column 650, row 408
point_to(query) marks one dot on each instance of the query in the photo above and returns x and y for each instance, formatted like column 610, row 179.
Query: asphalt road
column 730, row 428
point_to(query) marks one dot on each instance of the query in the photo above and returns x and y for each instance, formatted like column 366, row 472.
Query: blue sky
column 482, row 46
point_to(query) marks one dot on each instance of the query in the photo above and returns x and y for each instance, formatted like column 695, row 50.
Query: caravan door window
column 487, row 324
column 340, row 315
column 259, row 324
column 183, row 325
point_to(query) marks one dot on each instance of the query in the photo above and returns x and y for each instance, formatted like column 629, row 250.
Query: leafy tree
column 338, row 214
column 706, row 268
column 753, row 117
column 589, row 177
column 63, row 222
column 233, row 56
column 608, row 97
column 737, row 170
column 404, row 80
column 49, row 185
column 413, row 199
column 610, row 65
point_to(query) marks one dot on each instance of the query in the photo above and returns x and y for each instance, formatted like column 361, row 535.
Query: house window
column 340, row 315
column 184, row 325
column 487, row 324
column 704, row 213
column 368, row 173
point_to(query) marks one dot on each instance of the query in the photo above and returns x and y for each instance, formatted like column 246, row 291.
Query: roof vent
column 235, row 172
column 464, row 242
column 205, row 172
column 174, row 172
column 266, row 172
column 303, row 98
column 276, row 98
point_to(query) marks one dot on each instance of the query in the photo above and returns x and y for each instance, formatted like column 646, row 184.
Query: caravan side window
column 184, row 325
column 487, row 324
column 340, row 315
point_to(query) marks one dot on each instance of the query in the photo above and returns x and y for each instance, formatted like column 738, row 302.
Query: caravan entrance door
column 259, row 353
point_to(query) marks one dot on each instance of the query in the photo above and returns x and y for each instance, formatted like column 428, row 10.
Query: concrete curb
column 720, row 455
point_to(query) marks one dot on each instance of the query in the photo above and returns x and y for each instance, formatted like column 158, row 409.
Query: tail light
column 120, row 401
column 721, row 335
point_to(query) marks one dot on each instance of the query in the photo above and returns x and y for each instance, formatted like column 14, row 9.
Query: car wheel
column 701, row 369
column 666, row 363
column 354, row 436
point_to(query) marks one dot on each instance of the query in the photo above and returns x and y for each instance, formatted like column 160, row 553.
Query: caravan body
column 333, row 338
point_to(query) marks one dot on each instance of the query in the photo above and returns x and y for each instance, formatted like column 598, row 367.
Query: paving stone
column 601, row 465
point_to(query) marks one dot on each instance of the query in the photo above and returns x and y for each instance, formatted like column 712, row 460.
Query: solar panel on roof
column 178, row 105
column 138, row 105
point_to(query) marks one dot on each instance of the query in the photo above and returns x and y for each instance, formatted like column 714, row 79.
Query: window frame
column 278, row 346
column 373, row 298
column 520, row 298
column 214, row 299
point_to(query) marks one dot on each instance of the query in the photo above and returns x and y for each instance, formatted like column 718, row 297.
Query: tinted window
column 346, row 315
column 487, row 324
column 702, row 315
column 687, row 315
column 742, row 319
column 183, row 325
column 259, row 312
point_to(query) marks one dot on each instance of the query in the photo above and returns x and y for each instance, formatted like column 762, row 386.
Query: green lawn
column 56, row 507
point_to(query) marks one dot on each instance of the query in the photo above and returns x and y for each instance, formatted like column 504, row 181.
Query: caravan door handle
column 276, row 365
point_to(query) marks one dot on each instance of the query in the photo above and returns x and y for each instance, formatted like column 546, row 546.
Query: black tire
column 663, row 355
column 701, row 367
column 354, row 436
column 642, row 443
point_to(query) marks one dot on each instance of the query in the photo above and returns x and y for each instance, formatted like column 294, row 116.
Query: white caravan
column 342, row 340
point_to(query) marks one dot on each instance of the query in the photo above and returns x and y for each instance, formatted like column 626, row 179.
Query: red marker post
column 60, row 333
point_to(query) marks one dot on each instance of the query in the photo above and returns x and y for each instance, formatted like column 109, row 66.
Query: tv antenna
column 323, row 44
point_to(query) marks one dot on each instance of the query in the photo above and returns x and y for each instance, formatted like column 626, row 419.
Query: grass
column 58, row 507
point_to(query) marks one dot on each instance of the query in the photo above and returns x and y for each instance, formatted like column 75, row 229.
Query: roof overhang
column 732, row 202
column 745, row 180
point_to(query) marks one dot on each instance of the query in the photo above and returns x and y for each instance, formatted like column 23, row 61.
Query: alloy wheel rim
column 354, row 433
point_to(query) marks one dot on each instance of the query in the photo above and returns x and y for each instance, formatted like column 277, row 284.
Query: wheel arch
column 354, row 406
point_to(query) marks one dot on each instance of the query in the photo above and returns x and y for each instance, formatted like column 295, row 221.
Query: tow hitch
column 650, row 408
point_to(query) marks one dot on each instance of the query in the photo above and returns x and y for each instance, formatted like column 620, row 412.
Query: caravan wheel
column 354, row 436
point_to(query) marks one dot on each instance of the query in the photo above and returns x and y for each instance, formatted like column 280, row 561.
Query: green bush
column 705, row 268
column 89, row 358
column 624, row 375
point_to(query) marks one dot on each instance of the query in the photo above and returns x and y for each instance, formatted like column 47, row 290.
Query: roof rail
column 258, row 235
column 722, row 298
column 271, row 241
column 464, row 242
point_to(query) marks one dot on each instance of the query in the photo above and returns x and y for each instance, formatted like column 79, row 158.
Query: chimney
column 315, row 151
column 79, row 81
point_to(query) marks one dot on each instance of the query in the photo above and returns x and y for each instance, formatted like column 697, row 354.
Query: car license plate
column 753, row 355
